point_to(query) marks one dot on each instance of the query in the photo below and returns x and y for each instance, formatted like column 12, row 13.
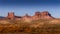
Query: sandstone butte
column 38, row 15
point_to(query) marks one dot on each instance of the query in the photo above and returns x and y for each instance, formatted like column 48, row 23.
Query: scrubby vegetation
column 34, row 27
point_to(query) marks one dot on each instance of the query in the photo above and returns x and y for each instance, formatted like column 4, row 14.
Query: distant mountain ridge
column 38, row 15
column 2, row 17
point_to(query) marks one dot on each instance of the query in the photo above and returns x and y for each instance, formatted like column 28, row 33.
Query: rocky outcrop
column 10, row 15
column 42, row 15
column 38, row 15
column 27, row 18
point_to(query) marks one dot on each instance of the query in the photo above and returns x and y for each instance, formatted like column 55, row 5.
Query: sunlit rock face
column 27, row 18
column 46, row 15
column 42, row 15
column 38, row 15
column 10, row 15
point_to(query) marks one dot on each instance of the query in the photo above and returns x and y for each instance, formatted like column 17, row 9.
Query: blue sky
column 21, row 7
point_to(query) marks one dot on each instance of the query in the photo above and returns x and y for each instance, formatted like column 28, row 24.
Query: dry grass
column 34, row 27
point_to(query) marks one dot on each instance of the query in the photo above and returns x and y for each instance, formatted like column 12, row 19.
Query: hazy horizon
column 21, row 7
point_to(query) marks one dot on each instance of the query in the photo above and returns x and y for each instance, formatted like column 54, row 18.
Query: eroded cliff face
column 10, row 15
column 38, row 15
column 43, row 15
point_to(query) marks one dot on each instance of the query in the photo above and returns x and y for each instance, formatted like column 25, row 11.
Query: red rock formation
column 38, row 15
column 42, row 15
column 10, row 15
column 27, row 18
column 46, row 15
